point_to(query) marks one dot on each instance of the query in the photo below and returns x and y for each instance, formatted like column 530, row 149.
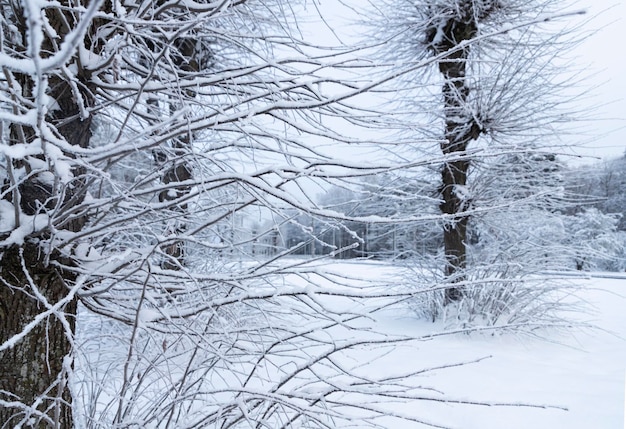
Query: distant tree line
column 582, row 209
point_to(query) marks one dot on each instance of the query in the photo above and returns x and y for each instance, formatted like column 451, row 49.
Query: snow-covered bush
column 498, row 293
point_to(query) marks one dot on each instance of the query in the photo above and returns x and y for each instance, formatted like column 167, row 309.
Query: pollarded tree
column 503, row 91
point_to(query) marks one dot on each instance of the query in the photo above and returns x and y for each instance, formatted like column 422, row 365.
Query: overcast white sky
column 606, row 53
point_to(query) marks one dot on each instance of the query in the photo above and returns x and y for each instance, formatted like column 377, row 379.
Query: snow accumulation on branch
column 161, row 231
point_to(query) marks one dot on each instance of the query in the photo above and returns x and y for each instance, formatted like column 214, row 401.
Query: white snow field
column 582, row 372
column 571, row 380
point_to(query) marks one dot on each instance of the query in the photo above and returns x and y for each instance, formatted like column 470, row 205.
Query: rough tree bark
column 33, row 371
column 35, row 368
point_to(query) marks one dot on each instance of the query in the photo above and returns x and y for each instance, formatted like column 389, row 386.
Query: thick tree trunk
column 33, row 372
column 34, row 388
column 460, row 129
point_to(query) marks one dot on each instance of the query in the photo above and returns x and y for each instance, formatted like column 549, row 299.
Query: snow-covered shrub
column 508, row 281
column 497, row 294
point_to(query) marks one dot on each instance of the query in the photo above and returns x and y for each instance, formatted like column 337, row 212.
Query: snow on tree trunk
column 460, row 129
column 34, row 370
column 37, row 310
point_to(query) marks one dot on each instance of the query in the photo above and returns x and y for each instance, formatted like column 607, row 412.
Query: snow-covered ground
column 571, row 380
column 583, row 372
